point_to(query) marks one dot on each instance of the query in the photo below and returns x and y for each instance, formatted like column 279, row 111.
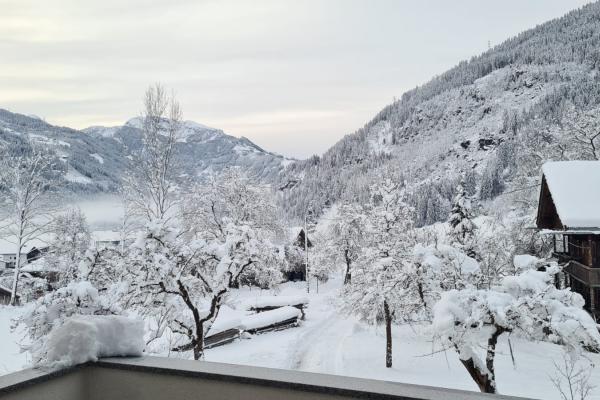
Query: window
column 560, row 241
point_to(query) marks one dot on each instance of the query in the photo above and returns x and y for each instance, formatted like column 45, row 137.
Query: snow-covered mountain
column 94, row 159
column 493, row 120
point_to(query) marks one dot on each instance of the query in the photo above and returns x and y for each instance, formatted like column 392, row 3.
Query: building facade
column 569, row 211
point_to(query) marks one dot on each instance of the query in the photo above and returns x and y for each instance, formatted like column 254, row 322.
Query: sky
column 294, row 76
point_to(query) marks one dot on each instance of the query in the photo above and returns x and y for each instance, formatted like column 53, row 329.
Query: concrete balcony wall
column 154, row 378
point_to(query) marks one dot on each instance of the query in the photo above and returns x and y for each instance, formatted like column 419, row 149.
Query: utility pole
column 307, row 270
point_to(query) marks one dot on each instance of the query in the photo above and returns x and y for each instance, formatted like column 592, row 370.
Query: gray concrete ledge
column 293, row 380
column 152, row 378
column 32, row 376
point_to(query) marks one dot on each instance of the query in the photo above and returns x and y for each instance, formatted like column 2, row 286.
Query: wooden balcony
column 583, row 273
column 154, row 378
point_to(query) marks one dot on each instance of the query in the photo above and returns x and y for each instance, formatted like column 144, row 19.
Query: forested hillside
column 491, row 120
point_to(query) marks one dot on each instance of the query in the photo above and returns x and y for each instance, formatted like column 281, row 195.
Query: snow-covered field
column 331, row 343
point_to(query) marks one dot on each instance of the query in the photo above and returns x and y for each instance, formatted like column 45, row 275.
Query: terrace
column 152, row 378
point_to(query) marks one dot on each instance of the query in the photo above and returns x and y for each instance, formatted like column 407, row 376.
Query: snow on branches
column 186, row 270
column 528, row 305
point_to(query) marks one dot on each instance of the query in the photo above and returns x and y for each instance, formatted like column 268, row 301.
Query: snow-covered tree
column 374, row 293
column 190, row 273
column 434, row 269
column 462, row 232
column 528, row 305
column 26, row 181
column 70, row 241
column 343, row 241
column 149, row 183
column 184, row 267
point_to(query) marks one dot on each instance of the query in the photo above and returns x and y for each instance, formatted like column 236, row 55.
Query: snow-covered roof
column 575, row 190
column 8, row 246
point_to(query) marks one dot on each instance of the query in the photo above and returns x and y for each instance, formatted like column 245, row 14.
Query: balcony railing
column 153, row 378
column 590, row 276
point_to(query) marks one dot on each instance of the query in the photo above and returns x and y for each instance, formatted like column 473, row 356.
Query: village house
column 8, row 255
column 106, row 239
column 569, row 210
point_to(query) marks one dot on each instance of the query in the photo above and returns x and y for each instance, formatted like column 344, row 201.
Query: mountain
column 491, row 121
column 95, row 158
column 203, row 149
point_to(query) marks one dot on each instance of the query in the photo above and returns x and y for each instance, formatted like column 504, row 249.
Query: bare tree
column 585, row 131
column 572, row 379
column 149, row 184
column 25, row 179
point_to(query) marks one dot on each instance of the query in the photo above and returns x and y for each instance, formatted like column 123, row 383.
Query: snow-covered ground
column 11, row 357
column 331, row 343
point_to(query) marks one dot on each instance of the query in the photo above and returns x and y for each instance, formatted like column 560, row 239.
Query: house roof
column 575, row 190
column 8, row 246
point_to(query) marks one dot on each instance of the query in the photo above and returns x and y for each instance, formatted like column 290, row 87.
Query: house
column 569, row 210
column 106, row 239
column 33, row 250
column 36, row 253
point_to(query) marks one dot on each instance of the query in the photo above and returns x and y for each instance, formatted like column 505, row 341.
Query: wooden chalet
column 569, row 210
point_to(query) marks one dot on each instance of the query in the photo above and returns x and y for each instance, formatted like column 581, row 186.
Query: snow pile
column 86, row 338
column 267, row 318
column 575, row 192
column 274, row 301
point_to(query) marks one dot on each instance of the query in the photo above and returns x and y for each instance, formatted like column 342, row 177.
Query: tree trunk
column 13, row 295
column 481, row 379
column 485, row 381
column 199, row 343
column 348, row 276
column 388, row 335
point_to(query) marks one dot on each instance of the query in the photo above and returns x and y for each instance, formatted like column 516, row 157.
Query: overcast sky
column 293, row 76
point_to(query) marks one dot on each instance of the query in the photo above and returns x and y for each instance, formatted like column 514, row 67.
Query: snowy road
column 321, row 348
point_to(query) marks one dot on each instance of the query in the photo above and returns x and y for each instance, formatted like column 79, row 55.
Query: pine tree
column 463, row 228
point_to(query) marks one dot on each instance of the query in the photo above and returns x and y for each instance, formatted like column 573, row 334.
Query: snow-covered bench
column 222, row 332
column 268, row 303
column 274, row 320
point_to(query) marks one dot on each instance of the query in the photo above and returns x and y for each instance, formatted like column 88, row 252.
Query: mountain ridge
column 96, row 157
